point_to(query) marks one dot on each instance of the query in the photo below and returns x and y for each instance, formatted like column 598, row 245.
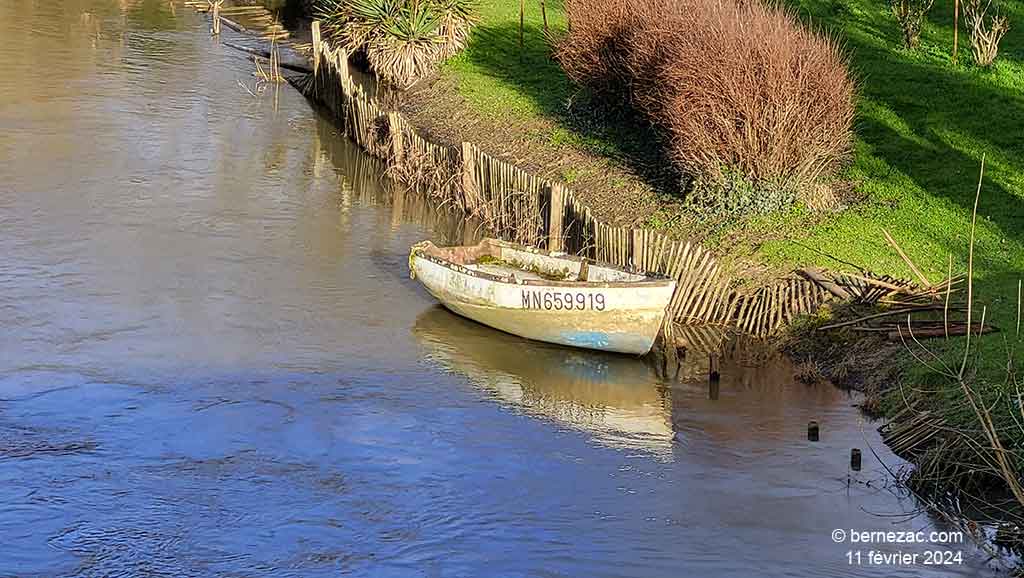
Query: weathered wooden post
column 635, row 256
column 813, row 432
column 714, row 377
column 397, row 146
column 956, row 27
column 216, row 17
column 557, row 211
column 470, row 195
column 341, row 63
column 522, row 17
column 855, row 459
column 315, row 29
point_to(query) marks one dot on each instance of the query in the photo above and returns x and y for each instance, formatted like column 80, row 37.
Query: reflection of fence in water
column 363, row 179
column 520, row 207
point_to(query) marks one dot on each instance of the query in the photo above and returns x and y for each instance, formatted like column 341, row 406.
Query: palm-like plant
column 455, row 22
column 402, row 39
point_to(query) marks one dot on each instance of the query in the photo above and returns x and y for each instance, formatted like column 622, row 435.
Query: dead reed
column 989, row 446
column 272, row 72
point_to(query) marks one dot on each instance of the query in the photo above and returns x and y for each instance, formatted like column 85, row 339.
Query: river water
column 213, row 362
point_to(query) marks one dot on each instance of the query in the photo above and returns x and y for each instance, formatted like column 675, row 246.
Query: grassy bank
column 923, row 126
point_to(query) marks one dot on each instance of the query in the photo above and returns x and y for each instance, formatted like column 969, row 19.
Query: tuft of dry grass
column 741, row 88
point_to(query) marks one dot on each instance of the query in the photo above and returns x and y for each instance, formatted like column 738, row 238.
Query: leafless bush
column 910, row 16
column 986, row 30
column 739, row 86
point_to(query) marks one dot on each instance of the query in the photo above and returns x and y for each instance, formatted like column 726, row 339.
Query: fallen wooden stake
column 233, row 25
column 822, row 280
column 938, row 331
column 880, row 315
column 266, row 54
column 244, row 10
column 899, row 250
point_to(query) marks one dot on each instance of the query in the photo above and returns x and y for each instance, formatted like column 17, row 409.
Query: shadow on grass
column 932, row 121
column 954, row 116
column 598, row 126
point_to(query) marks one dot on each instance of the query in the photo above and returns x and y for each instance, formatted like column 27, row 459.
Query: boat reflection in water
column 616, row 399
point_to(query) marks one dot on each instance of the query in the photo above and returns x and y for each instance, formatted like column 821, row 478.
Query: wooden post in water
column 714, row 377
column 855, row 459
column 216, row 18
column 315, row 29
column 813, row 432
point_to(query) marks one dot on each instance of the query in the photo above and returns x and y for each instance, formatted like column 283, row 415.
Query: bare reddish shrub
column 740, row 87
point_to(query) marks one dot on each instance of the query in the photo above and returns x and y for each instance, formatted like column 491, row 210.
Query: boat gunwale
column 650, row 279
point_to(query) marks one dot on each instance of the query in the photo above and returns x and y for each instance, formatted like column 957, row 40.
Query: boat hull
column 606, row 317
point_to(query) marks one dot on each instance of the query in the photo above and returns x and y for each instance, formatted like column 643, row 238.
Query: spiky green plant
column 455, row 22
column 402, row 39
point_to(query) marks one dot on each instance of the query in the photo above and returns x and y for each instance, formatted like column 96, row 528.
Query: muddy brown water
column 213, row 363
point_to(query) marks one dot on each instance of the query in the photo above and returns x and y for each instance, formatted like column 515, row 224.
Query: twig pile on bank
column 747, row 96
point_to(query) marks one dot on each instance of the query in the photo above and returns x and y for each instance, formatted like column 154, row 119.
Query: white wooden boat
column 545, row 296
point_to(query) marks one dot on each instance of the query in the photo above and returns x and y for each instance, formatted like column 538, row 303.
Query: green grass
column 498, row 78
column 923, row 126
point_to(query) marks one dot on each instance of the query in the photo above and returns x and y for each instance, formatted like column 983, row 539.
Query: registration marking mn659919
column 563, row 300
